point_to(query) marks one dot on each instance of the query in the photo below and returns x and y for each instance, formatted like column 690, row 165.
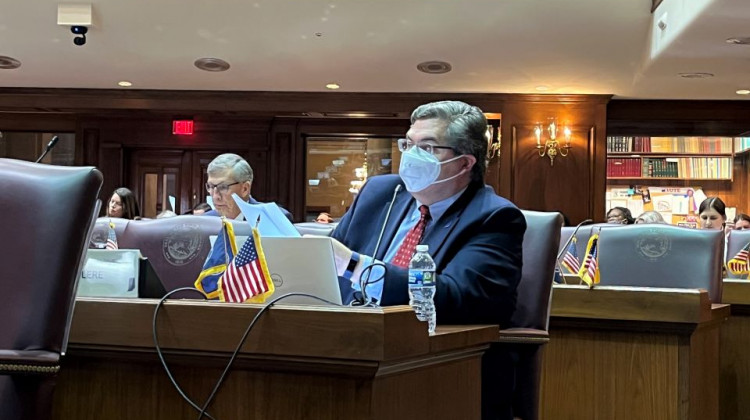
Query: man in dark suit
column 474, row 236
column 231, row 174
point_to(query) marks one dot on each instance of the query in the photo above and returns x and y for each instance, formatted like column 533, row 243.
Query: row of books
column 689, row 168
column 647, row 144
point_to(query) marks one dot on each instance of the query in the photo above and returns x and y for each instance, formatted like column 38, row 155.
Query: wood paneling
column 278, row 122
column 299, row 362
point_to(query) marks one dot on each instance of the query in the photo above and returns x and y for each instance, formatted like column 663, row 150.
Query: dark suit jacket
column 476, row 246
column 253, row 201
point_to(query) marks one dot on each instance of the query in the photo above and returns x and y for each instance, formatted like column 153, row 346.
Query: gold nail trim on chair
column 6, row 368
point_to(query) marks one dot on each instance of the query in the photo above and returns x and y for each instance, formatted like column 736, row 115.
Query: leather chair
column 315, row 228
column 177, row 247
column 583, row 235
column 659, row 255
column 737, row 240
column 522, row 343
column 47, row 213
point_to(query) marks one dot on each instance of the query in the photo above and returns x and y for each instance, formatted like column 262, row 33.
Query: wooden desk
column 735, row 352
column 631, row 353
column 298, row 363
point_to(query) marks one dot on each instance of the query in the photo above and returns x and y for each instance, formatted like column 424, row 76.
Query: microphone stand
column 565, row 247
column 363, row 282
column 50, row 145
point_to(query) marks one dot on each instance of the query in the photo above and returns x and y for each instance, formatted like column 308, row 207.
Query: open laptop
column 300, row 265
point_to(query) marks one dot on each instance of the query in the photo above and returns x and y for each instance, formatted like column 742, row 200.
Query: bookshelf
column 670, row 158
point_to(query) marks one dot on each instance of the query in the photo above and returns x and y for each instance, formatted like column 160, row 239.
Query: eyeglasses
column 221, row 188
column 406, row 144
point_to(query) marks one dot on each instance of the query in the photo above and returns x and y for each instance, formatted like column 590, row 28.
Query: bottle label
column 421, row 278
column 416, row 277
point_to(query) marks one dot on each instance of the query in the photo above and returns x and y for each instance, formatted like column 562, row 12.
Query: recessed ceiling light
column 743, row 92
column 542, row 88
column 696, row 75
column 211, row 64
column 333, row 86
column 9, row 63
column 124, row 83
column 738, row 40
column 434, row 67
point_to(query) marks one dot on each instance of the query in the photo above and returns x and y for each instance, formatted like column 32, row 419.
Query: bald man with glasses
column 231, row 174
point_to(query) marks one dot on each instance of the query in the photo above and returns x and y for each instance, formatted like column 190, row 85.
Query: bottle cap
column 423, row 248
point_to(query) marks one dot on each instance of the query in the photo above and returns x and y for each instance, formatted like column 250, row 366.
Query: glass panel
column 337, row 169
column 29, row 146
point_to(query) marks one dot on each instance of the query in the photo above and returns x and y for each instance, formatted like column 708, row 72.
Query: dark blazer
column 476, row 246
column 253, row 201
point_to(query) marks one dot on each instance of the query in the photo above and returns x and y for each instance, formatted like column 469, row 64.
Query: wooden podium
column 299, row 362
column 632, row 353
column 735, row 352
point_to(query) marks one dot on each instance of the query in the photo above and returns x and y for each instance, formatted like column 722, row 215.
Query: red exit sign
column 182, row 127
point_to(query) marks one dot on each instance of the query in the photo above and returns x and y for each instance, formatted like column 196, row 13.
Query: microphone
column 50, row 145
column 565, row 247
column 363, row 282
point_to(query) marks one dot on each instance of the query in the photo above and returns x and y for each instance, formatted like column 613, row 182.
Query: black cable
column 366, row 272
column 161, row 355
column 244, row 337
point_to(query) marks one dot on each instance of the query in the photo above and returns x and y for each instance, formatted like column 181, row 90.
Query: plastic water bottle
column 422, row 286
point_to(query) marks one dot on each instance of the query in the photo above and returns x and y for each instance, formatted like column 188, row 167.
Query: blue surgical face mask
column 420, row 169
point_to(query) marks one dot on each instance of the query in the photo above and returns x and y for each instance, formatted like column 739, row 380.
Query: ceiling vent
column 211, row 64
column 434, row 67
column 9, row 63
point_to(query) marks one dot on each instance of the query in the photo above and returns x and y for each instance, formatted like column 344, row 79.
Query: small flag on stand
column 739, row 263
column 221, row 255
column 589, row 271
column 247, row 278
column 570, row 259
column 111, row 237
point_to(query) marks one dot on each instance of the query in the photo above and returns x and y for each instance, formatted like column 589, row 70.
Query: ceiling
column 494, row 46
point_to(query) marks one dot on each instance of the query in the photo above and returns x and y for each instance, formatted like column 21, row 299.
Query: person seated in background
column 741, row 222
column 231, row 174
column 200, row 208
column 324, row 218
column 123, row 204
column 165, row 214
column 650, row 217
column 712, row 213
column 620, row 215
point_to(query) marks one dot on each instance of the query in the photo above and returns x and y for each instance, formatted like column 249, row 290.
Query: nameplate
column 110, row 273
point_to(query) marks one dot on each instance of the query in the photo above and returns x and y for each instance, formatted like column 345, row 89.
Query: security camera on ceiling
column 78, row 17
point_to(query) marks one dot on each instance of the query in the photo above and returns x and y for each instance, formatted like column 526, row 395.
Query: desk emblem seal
column 653, row 245
column 182, row 244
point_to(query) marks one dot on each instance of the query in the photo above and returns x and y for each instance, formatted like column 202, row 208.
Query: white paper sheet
column 272, row 223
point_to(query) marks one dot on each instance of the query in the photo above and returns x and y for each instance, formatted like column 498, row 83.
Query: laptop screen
column 300, row 265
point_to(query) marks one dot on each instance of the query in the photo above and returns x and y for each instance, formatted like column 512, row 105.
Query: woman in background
column 741, row 222
column 123, row 204
column 620, row 215
column 650, row 217
column 712, row 213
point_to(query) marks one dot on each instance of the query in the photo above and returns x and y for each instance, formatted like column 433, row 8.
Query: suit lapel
column 437, row 233
column 400, row 206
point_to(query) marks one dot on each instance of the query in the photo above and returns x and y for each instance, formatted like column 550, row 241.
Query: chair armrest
column 29, row 362
column 523, row 336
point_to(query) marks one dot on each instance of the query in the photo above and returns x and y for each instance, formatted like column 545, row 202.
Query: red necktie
column 409, row 245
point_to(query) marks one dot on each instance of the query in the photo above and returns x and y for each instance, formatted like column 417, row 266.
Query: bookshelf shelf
column 667, row 178
column 654, row 154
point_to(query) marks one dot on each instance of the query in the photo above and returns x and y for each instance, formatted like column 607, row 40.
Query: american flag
column 111, row 237
column 589, row 272
column 570, row 259
column 247, row 276
column 739, row 263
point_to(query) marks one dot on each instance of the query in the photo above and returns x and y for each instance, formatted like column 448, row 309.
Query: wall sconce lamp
column 493, row 144
column 551, row 147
